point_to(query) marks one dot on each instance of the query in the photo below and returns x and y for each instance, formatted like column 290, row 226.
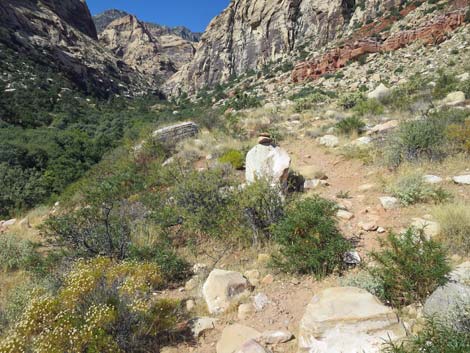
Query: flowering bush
column 103, row 306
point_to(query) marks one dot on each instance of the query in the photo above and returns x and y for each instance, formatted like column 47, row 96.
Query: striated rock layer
column 251, row 33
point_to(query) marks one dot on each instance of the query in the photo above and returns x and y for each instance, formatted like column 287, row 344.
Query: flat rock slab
column 347, row 320
column 234, row 337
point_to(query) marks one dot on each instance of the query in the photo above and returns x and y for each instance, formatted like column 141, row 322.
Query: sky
column 194, row 14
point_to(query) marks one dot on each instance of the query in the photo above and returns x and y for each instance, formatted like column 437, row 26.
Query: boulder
column 267, row 162
column 329, row 141
column 461, row 274
column 347, row 320
column 389, row 203
column 362, row 141
column 344, row 215
column 234, row 337
column 447, row 302
column 462, row 179
column 352, row 258
column 385, row 127
column 381, row 93
column 454, row 98
column 222, row 288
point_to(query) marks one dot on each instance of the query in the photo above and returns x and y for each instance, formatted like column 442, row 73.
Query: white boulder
column 267, row 162
column 329, row 141
column 462, row 179
column 389, row 202
column 347, row 320
column 380, row 93
column 222, row 288
column 454, row 98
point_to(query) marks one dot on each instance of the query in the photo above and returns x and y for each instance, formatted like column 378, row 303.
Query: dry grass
column 455, row 226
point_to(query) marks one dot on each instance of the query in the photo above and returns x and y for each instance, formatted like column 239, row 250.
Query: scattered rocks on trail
column 267, row 162
column 329, row 141
column 222, row 288
column 462, row 179
column 234, row 337
column 389, row 203
column 347, row 319
column 380, row 93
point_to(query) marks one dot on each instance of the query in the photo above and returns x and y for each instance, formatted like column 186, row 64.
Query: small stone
column 312, row 184
column 202, row 325
column 344, row 215
column 253, row 276
column 260, row 301
column 268, row 279
column 368, row 226
column 432, row 179
column 462, row 179
column 190, row 305
column 252, row 346
column 366, row 187
column 276, row 337
column 389, row 203
column 245, row 311
column 352, row 258
column 234, row 337
column 329, row 141
column 381, row 230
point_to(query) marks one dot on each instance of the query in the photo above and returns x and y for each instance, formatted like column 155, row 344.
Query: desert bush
column 103, row 306
column 454, row 220
column 233, row 157
column 459, row 134
column 310, row 101
column 368, row 107
column 309, row 239
column 410, row 267
column 350, row 100
column 17, row 253
column 445, row 84
column 203, row 200
column 434, row 338
column 261, row 207
column 243, row 101
column 411, row 189
column 350, row 125
column 364, row 280
column 311, row 91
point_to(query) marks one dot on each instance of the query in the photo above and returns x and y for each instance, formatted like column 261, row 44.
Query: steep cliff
column 60, row 35
column 251, row 33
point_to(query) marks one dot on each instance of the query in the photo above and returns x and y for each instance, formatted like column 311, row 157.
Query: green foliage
column 368, row 107
column 434, row 338
column 235, row 158
column 410, row 267
column 454, row 220
column 262, row 207
column 445, row 84
column 16, row 253
column 364, row 280
column 459, row 134
column 311, row 91
column 350, row 125
column 102, row 306
column 350, row 100
column 309, row 239
column 243, row 100
column 310, row 101
column 411, row 189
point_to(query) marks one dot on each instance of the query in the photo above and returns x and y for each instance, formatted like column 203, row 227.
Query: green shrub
column 454, row 220
column 369, row 107
column 364, row 280
column 309, row 239
column 235, row 158
column 350, row 100
column 261, row 206
column 17, row 254
column 350, row 125
column 434, row 338
column 410, row 267
column 243, row 101
column 411, row 189
column 459, row 134
column 445, row 84
column 310, row 102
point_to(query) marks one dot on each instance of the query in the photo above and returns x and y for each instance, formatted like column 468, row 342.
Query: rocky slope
column 103, row 19
column 250, row 34
column 61, row 36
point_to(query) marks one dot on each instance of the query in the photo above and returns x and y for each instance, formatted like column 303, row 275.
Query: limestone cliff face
column 250, row 33
column 61, row 35
column 129, row 40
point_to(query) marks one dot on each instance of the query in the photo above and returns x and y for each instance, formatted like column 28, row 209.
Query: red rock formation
column 432, row 33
